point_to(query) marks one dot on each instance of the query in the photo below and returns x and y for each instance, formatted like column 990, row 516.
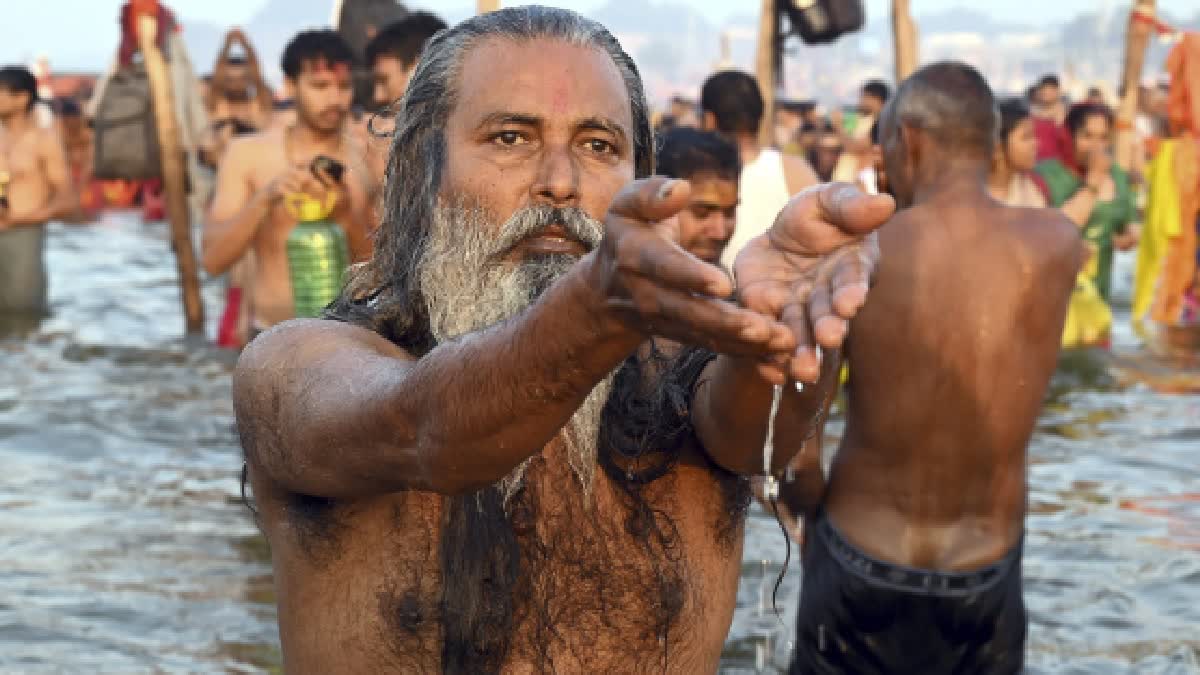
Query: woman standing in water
column 1092, row 191
column 1013, row 181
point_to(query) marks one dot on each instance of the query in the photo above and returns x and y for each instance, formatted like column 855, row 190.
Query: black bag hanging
column 823, row 21
column 126, row 141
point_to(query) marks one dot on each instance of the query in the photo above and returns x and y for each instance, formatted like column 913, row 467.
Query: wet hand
column 812, row 269
column 655, row 287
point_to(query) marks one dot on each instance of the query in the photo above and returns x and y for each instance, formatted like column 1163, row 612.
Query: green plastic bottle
column 318, row 255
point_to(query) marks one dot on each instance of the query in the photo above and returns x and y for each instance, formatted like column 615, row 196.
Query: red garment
column 154, row 201
column 1065, row 147
column 227, row 336
column 128, row 21
column 1049, row 136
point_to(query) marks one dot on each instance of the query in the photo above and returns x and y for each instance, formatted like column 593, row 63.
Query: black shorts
column 860, row 615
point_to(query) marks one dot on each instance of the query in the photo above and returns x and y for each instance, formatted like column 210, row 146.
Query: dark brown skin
column 334, row 411
column 949, row 364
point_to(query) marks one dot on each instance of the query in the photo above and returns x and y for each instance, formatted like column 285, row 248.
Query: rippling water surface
column 124, row 547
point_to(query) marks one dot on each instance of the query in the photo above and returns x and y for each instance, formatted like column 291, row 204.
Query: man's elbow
column 213, row 264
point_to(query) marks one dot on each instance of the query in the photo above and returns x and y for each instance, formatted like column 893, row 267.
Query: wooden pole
column 904, row 40
column 766, row 69
column 1137, row 38
column 485, row 6
column 174, row 171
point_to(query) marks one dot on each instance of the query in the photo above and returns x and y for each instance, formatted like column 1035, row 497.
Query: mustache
column 531, row 221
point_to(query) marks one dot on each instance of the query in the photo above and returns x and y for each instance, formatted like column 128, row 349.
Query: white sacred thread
column 771, row 484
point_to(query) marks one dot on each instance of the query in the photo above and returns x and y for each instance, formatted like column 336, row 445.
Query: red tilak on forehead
column 323, row 66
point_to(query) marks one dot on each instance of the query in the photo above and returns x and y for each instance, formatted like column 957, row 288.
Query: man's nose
column 721, row 228
column 557, row 181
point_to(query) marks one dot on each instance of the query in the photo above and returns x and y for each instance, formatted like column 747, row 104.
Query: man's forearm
column 357, row 421
column 488, row 401
column 732, row 407
column 226, row 241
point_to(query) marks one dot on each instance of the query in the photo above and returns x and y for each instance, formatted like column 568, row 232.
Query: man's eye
column 601, row 147
column 508, row 138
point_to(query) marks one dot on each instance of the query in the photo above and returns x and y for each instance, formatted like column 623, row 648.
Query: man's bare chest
column 19, row 158
column 625, row 573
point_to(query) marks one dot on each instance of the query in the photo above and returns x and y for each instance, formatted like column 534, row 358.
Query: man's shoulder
column 302, row 341
column 252, row 151
column 257, row 142
column 283, row 353
column 1047, row 233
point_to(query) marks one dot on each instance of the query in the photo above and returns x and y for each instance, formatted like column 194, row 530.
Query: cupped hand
column 657, row 288
column 812, row 268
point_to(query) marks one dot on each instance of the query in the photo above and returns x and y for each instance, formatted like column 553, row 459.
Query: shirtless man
column 733, row 105
column 35, row 187
column 912, row 559
column 444, row 479
column 259, row 171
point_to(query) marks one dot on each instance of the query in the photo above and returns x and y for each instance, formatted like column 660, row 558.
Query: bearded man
column 480, row 462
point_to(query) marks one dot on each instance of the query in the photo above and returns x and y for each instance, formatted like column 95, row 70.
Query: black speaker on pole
column 823, row 21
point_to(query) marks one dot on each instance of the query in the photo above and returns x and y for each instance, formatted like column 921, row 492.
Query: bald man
column 912, row 559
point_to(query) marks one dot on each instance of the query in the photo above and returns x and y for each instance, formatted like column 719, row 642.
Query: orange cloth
column 1183, row 112
column 1183, row 101
column 1179, row 268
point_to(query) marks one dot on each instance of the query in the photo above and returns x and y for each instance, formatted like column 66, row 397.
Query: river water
column 124, row 547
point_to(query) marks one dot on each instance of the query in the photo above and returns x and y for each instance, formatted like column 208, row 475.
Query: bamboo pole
column 904, row 40
column 1137, row 38
column 766, row 69
column 174, row 182
column 485, row 6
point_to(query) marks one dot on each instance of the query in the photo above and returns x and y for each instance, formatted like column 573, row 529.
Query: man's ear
column 708, row 122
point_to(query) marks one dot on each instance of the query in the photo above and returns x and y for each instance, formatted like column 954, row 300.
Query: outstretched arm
column 811, row 270
column 336, row 411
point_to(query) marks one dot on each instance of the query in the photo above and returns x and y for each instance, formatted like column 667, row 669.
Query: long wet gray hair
column 384, row 294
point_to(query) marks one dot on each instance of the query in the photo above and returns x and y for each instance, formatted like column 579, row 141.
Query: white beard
column 465, row 291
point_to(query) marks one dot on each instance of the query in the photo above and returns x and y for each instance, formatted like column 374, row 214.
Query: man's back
column 949, row 363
